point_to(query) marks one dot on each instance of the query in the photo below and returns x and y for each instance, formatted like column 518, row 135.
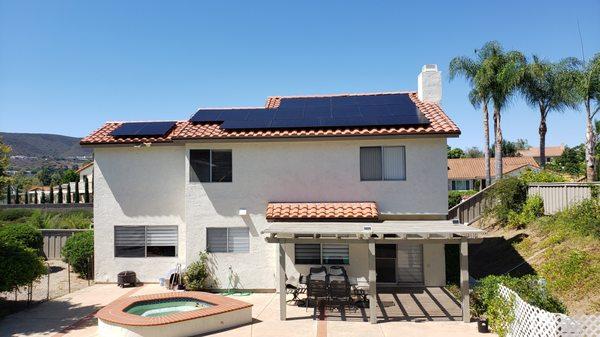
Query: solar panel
column 143, row 129
column 319, row 112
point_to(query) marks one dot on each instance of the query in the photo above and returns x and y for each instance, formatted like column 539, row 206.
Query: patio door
column 385, row 263
column 410, row 264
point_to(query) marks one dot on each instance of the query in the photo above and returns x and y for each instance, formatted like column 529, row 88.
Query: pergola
column 435, row 231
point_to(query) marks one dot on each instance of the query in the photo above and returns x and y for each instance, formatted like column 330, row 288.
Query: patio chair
column 340, row 293
column 316, row 289
column 293, row 286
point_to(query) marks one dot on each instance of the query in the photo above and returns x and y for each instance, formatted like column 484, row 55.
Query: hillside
column 33, row 150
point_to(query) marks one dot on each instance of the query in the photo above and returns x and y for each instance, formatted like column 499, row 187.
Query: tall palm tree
column 480, row 95
column 501, row 72
column 548, row 86
column 588, row 91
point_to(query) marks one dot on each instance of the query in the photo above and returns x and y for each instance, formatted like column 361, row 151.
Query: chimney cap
column 430, row 67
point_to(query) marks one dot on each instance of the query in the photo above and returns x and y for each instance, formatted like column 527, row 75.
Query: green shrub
column 581, row 219
column 197, row 273
column 71, row 220
column 79, row 253
column 531, row 210
column 455, row 197
column 24, row 234
column 20, row 265
column 570, row 269
column 529, row 287
column 507, row 194
column 543, row 176
column 14, row 214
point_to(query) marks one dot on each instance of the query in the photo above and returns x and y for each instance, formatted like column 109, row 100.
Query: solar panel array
column 143, row 129
column 320, row 112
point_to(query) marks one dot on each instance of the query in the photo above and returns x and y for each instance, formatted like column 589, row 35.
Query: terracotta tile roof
column 322, row 210
column 84, row 167
column 551, row 151
column 474, row 168
column 440, row 123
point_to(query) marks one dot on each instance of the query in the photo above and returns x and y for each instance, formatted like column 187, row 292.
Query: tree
column 43, row 198
column 511, row 149
column 20, row 265
column 4, row 162
column 51, row 194
column 68, row 193
column 474, row 152
column 69, row 176
column 548, row 87
column 588, row 92
column 60, row 195
column 501, row 72
column 76, row 195
column 480, row 94
column 86, row 190
column 455, row 153
column 44, row 175
column 571, row 161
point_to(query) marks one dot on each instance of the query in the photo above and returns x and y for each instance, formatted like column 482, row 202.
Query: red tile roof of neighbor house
column 440, row 123
column 474, row 168
column 551, row 151
column 322, row 210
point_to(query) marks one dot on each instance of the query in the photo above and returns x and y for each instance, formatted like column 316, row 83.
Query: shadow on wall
column 151, row 197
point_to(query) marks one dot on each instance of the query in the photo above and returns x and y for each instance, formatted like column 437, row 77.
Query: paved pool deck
column 73, row 316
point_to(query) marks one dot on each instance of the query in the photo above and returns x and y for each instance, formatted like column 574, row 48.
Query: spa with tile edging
column 223, row 313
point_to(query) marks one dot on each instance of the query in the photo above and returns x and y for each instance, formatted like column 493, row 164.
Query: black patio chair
column 340, row 293
column 316, row 289
column 337, row 271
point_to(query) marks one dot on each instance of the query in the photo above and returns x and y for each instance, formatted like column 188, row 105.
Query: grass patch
column 571, row 273
column 76, row 219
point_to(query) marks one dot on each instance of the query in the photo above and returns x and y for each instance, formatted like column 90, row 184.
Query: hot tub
column 172, row 314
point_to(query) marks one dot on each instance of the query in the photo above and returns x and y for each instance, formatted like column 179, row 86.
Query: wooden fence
column 472, row 209
column 559, row 196
column 55, row 239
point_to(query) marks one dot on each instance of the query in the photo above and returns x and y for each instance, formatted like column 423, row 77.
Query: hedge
column 79, row 253
column 25, row 234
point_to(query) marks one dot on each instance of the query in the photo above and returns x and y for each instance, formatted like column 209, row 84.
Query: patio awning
column 361, row 231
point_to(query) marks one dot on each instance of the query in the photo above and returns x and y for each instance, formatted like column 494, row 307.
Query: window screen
column 227, row 240
column 382, row 163
column 210, row 166
column 130, row 241
column 145, row 241
column 335, row 254
column 161, row 240
column 307, row 253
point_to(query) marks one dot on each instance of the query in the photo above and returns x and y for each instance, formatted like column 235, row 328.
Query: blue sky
column 68, row 66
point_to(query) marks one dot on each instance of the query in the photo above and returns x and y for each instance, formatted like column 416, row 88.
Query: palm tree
column 479, row 96
column 588, row 91
column 548, row 86
column 501, row 72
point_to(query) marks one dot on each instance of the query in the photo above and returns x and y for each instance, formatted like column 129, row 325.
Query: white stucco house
column 358, row 180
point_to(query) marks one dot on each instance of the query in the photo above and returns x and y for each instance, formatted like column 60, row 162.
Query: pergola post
column 372, row 284
column 282, row 290
column 464, row 279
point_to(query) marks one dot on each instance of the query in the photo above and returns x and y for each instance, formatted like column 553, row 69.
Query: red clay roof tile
column 322, row 210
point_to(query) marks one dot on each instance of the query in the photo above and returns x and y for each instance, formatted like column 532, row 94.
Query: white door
column 410, row 264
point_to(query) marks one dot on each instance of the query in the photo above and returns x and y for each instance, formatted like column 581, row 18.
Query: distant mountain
column 33, row 150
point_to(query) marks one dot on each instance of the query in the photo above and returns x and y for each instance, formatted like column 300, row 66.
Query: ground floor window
column 227, row 240
column 461, row 185
column 319, row 254
column 145, row 241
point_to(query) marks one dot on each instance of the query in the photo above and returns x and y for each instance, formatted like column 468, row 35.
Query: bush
column 197, row 273
column 532, row 209
column 14, row 214
column 20, row 265
column 24, row 234
column 455, row 197
column 543, row 176
column 508, row 195
column 79, row 253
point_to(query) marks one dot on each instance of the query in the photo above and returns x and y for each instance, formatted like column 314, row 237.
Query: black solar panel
column 320, row 112
column 137, row 129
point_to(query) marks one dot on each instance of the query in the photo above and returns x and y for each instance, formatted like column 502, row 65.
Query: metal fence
column 55, row 239
column 529, row 320
column 559, row 196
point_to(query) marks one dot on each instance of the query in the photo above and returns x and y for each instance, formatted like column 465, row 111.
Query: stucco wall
column 137, row 186
column 150, row 186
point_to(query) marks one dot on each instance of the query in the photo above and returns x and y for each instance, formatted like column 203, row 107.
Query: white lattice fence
column 532, row 321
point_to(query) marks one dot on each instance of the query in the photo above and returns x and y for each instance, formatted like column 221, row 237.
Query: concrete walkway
column 72, row 316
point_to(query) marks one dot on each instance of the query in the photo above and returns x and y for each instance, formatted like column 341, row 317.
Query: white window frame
column 227, row 240
column 321, row 255
column 145, row 243
column 383, row 163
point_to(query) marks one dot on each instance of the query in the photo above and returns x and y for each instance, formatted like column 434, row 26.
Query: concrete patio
column 419, row 312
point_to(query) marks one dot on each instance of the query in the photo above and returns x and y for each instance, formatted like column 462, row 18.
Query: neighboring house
column 551, row 153
column 469, row 173
column 356, row 179
column 86, row 171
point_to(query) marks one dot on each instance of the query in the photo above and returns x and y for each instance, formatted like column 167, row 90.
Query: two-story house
column 358, row 180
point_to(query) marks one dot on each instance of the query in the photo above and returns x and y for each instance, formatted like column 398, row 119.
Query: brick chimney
column 430, row 84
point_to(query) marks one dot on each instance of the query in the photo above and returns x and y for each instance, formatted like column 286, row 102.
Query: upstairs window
column 382, row 163
column 210, row 166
